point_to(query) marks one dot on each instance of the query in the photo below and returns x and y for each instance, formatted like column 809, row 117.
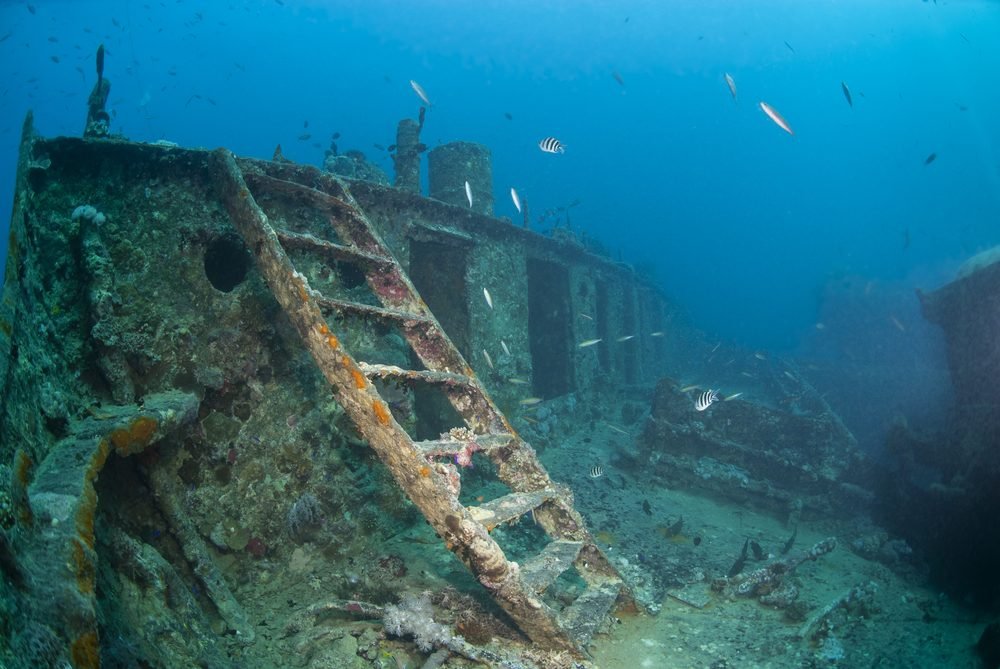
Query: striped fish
column 706, row 399
column 596, row 472
column 551, row 145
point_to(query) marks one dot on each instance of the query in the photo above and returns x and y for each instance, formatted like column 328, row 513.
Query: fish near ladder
column 417, row 467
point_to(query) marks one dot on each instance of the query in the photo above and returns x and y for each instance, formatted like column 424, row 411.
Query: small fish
column 596, row 472
column 687, row 389
column 530, row 401
column 647, row 509
column 618, row 78
column 468, row 192
column 740, row 561
column 589, row 342
column 895, row 321
column 304, row 137
column 489, row 360
column 503, row 345
column 930, row 159
column 791, row 541
column 732, row 397
column 517, row 381
column 551, row 145
column 625, row 338
column 508, row 116
column 675, row 528
column 758, row 552
column 618, row 429
column 528, row 419
column 773, row 114
column 516, row 199
column 847, row 93
column 789, row 47
column 658, row 333
column 489, row 300
column 419, row 90
column 789, row 375
column 587, row 316
column 706, row 399
column 731, row 83
column 759, row 355
column 820, row 326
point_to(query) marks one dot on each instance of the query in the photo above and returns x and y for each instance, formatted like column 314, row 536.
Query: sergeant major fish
column 551, row 145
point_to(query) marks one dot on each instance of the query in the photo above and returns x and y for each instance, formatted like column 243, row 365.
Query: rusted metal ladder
column 424, row 470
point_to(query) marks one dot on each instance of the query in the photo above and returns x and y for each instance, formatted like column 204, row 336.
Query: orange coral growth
column 425, row 471
column 83, row 567
column 84, row 651
column 87, row 507
column 22, row 468
column 381, row 412
column 135, row 437
column 22, row 478
column 332, row 341
column 324, row 329
column 85, row 515
column 359, row 379
column 303, row 293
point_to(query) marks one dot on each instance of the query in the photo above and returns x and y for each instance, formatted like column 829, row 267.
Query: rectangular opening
column 549, row 329
column 438, row 271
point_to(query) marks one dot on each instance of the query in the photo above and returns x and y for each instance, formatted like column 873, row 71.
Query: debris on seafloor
column 769, row 584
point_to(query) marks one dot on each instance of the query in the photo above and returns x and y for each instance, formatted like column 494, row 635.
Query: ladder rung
column 337, row 252
column 509, row 507
column 584, row 617
column 406, row 318
column 449, row 447
column 542, row 570
column 400, row 374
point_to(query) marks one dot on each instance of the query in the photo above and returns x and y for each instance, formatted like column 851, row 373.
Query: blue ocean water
column 746, row 226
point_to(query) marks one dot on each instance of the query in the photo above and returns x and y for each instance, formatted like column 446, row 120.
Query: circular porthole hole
column 226, row 263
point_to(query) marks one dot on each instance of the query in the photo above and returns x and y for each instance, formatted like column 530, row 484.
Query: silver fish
column 489, row 360
column 658, row 333
column 618, row 429
column 503, row 345
column 596, row 472
column 419, row 90
column 530, row 401
column 732, row 397
column 468, row 192
column 589, row 342
column 489, row 300
column 625, row 338
column 706, row 399
column 517, row 381
column 551, row 145
column 516, row 199
column 773, row 114
column 587, row 316
column 731, row 83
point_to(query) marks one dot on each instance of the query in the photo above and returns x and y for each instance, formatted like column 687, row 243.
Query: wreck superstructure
column 150, row 386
